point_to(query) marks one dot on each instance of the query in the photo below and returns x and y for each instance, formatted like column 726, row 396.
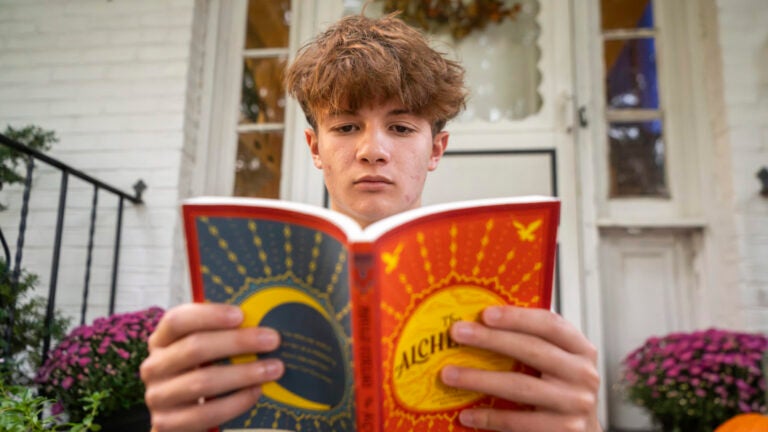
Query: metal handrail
column 66, row 172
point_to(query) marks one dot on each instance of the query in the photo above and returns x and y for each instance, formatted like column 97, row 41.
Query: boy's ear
column 311, row 136
column 439, row 144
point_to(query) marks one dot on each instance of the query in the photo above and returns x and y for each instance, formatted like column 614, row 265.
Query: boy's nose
column 373, row 148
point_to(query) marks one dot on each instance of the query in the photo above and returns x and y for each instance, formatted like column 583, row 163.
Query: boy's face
column 375, row 160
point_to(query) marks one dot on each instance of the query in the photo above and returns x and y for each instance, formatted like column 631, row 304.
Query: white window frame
column 217, row 149
column 683, row 207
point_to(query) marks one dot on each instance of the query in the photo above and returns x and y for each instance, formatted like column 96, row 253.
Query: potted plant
column 105, row 355
column 23, row 410
column 696, row 381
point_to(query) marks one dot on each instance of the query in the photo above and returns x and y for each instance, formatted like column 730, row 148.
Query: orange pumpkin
column 749, row 422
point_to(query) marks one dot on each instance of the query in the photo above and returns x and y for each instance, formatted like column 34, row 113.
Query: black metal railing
column 14, row 268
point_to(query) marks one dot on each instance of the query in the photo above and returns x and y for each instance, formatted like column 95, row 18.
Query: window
column 637, row 155
column 261, row 123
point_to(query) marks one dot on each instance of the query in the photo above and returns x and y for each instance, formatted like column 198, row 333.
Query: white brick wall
column 744, row 44
column 112, row 79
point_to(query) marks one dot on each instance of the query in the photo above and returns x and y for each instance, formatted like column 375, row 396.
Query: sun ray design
column 454, row 231
column 483, row 244
column 336, row 272
column 403, row 278
column 253, row 228
column 224, row 245
column 508, row 259
column 425, row 256
column 391, row 311
column 217, row 280
column 313, row 262
column 340, row 315
column 288, row 247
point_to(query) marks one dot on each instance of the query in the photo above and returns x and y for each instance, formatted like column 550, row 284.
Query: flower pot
column 135, row 419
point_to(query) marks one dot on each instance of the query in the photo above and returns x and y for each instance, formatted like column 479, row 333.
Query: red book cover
column 364, row 314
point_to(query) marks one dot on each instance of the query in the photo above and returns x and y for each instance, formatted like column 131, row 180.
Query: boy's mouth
column 372, row 182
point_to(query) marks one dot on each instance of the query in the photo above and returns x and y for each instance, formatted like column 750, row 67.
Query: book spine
column 366, row 340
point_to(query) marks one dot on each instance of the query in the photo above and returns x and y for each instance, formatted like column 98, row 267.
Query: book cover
column 364, row 314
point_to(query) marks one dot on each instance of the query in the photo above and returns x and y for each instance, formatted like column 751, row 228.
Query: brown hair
column 361, row 61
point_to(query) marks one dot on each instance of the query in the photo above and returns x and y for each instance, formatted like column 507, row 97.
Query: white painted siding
column 112, row 79
column 743, row 37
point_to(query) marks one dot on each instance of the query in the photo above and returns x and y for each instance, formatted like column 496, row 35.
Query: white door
column 638, row 153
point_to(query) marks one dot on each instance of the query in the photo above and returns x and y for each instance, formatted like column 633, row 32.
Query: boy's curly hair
column 361, row 61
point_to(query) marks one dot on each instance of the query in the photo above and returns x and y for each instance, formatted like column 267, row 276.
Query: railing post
column 91, row 232
column 55, row 264
column 116, row 257
column 13, row 272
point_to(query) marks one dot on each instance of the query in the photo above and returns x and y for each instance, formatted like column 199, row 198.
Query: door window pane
column 257, row 169
column 501, row 59
column 626, row 14
column 633, row 109
column 630, row 74
column 268, row 24
column 263, row 97
column 637, row 159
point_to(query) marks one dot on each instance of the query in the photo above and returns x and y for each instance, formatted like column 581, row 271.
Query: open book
column 364, row 314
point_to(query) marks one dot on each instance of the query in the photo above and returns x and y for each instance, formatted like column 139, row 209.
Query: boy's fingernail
column 492, row 314
column 463, row 330
column 466, row 418
column 234, row 315
column 450, row 375
column 268, row 337
column 273, row 369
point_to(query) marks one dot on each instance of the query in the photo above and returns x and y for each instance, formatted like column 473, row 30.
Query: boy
column 377, row 98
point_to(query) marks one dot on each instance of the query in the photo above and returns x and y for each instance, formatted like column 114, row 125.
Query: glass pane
column 263, row 97
column 630, row 74
column 257, row 168
column 268, row 23
column 637, row 160
column 626, row 14
column 501, row 59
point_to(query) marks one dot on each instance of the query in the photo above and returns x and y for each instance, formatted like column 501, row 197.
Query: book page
column 445, row 268
column 291, row 277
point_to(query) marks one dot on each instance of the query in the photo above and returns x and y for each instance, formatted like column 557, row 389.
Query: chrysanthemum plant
column 696, row 381
column 103, row 356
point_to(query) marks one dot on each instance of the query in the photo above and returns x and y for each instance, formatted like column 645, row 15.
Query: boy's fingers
column 211, row 381
column 191, row 318
column 204, row 347
column 200, row 417
column 540, row 323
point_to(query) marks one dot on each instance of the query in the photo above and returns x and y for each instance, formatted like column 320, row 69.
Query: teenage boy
column 376, row 97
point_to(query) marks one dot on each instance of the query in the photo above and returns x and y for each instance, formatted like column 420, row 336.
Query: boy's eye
column 345, row 128
column 402, row 129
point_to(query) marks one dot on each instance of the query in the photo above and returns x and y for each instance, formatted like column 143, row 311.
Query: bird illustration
column 526, row 233
column 391, row 259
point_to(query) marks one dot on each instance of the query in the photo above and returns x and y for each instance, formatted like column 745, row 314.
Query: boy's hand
column 188, row 337
column 564, row 397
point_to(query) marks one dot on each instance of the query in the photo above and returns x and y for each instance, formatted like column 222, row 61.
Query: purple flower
column 703, row 375
column 100, row 356
column 67, row 383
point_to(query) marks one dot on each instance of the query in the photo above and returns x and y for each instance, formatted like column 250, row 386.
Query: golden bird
column 391, row 259
column 526, row 232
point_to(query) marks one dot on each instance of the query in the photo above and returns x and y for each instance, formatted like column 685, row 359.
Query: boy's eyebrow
column 399, row 111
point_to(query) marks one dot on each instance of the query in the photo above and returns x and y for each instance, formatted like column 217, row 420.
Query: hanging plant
column 460, row 17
